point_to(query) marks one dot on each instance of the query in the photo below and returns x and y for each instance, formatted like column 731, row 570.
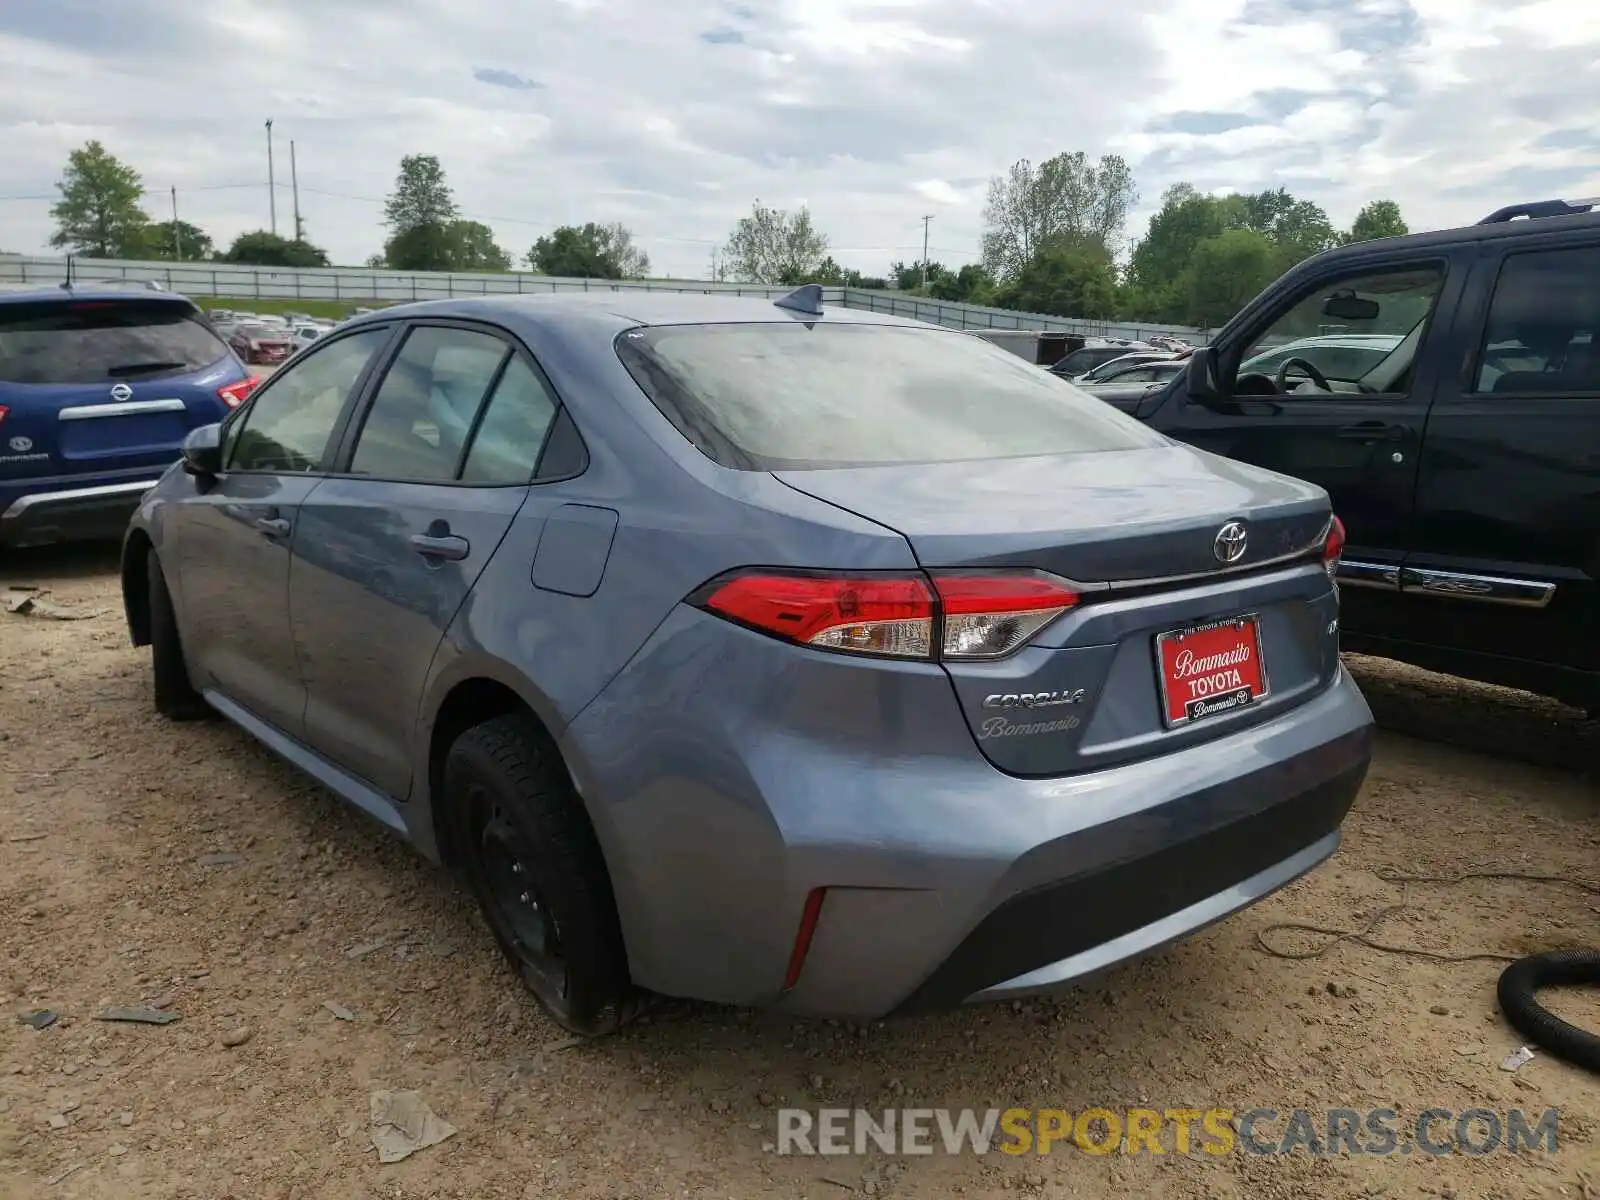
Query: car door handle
column 446, row 546
column 273, row 527
column 1372, row 431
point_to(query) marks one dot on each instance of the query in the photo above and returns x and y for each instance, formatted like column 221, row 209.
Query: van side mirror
column 202, row 451
column 1200, row 376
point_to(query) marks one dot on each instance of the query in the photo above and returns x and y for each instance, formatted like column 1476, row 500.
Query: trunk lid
column 1139, row 531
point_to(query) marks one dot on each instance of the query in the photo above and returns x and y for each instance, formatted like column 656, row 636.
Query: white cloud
column 673, row 118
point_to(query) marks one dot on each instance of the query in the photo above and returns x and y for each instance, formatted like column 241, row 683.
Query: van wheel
column 175, row 696
column 534, row 865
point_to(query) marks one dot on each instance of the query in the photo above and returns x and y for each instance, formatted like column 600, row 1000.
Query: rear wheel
column 532, row 861
column 175, row 696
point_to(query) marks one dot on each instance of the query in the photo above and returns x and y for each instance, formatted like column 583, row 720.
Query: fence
column 366, row 285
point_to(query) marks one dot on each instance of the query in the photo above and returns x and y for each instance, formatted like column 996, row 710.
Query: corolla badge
column 21, row 444
column 120, row 392
column 1230, row 543
column 1034, row 699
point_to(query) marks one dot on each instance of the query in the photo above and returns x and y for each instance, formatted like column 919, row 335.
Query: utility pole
column 294, row 178
column 925, row 221
column 177, row 236
column 272, row 191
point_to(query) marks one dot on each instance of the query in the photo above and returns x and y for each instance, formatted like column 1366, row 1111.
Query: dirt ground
column 110, row 894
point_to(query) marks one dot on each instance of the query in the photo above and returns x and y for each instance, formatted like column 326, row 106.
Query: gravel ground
column 183, row 866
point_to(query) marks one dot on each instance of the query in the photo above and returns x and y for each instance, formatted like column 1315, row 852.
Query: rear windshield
column 791, row 396
column 92, row 341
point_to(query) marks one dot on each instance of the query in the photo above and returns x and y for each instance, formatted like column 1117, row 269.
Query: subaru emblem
column 120, row 392
column 1230, row 543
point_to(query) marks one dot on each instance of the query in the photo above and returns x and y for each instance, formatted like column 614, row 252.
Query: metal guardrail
column 363, row 285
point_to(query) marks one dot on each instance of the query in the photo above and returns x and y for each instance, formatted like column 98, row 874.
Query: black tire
column 530, row 856
column 1555, row 968
column 175, row 696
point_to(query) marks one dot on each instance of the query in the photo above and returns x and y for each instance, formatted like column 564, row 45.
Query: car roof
column 1441, row 238
column 616, row 311
column 69, row 295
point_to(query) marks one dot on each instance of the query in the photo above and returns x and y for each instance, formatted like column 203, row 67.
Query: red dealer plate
column 1210, row 669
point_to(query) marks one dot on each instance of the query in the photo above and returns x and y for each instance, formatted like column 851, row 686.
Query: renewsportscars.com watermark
column 1213, row 1131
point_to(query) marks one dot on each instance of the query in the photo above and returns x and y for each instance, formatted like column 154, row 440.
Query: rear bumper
column 944, row 880
column 64, row 509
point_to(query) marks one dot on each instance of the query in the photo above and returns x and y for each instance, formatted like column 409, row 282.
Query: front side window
column 423, row 411
column 796, row 396
column 1359, row 333
column 1543, row 321
column 289, row 421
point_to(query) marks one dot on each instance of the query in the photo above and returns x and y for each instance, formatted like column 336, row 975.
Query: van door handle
column 445, row 546
column 273, row 527
column 1372, row 431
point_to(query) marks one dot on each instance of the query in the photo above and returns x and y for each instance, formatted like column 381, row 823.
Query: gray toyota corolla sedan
column 758, row 653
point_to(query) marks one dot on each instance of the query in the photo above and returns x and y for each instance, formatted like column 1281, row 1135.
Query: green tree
column 589, row 251
column 1158, row 268
column 1298, row 228
column 970, row 285
column 474, row 248
column 420, row 196
column 1030, row 206
column 172, row 241
column 773, row 246
column 1067, row 278
column 420, row 214
column 263, row 249
column 1227, row 272
column 99, row 213
column 1379, row 219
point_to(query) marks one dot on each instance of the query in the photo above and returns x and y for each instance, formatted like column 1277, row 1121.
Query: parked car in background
column 1125, row 386
column 257, row 342
column 305, row 333
column 733, row 649
column 98, row 389
column 1095, row 353
column 1465, row 461
column 1116, row 365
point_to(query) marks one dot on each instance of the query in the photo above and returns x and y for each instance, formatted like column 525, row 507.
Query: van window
column 1540, row 337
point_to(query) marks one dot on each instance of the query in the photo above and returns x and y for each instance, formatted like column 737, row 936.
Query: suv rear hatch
column 92, row 384
column 1096, row 592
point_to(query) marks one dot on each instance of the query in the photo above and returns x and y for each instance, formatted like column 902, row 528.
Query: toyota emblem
column 1230, row 543
column 120, row 391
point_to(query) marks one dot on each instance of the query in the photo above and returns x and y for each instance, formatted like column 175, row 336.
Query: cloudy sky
column 673, row 116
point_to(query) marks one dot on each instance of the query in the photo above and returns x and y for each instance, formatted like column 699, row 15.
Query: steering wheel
column 1310, row 370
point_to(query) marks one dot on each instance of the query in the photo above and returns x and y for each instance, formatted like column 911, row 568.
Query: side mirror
column 1347, row 306
column 202, row 451
column 1200, row 376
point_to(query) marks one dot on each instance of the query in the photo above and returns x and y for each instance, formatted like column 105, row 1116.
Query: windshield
column 792, row 396
column 92, row 341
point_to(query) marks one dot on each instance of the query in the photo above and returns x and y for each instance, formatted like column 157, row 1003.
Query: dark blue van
column 98, row 388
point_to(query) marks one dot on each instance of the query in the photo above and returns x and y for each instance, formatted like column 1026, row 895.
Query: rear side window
column 512, row 432
column 99, row 341
column 792, row 396
column 1544, row 322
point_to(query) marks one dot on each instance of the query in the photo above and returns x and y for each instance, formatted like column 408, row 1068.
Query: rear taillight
column 964, row 616
column 235, row 394
column 1333, row 547
column 989, row 616
column 3, row 411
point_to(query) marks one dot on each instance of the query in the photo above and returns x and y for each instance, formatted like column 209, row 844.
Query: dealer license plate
column 1207, row 670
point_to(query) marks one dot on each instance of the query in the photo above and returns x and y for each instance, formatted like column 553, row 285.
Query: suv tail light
column 3, row 411
column 966, row 616
column 1333, row 547
column 235, row 394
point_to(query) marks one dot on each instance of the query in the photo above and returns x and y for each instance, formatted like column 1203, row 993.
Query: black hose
column 1554, row 968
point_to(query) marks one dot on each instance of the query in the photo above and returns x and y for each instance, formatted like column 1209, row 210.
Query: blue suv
column 98, row 389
